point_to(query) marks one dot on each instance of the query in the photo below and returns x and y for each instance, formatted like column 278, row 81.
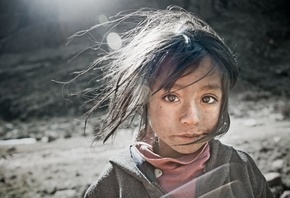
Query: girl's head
column 188, row 112
column 168, row 48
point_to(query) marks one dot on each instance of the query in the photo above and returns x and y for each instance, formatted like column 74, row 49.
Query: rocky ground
column 62, row 161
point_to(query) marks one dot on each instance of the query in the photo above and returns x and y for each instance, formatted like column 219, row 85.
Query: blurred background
column 41, row 119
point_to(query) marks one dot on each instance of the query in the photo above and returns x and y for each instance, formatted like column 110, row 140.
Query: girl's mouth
column 186, row 135
column 189, row 138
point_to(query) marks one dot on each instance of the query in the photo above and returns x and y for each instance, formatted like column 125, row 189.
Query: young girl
column 174, row 72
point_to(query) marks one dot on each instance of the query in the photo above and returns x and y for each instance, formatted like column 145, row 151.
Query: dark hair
column 173, row 35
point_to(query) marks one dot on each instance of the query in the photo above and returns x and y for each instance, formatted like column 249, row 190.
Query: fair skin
column 187, row 112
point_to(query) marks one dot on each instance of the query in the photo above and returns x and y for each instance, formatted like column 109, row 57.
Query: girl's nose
column 190, row 115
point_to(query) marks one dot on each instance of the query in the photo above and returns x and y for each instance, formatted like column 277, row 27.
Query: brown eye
column 208, row 100
column 171, row 98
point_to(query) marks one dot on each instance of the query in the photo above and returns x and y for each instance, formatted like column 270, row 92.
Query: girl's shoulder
column 228, row 154
column 124, row 160
column 236, row 169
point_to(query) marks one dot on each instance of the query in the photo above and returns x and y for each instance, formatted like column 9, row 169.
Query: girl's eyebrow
column 212, row 87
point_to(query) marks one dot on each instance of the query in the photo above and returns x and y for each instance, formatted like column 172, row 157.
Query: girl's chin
column 189, row 148
column 174, row 149
column 181, row 150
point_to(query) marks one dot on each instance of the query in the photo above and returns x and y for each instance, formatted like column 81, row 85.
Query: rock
column 273, row 179
column 276, row 116
column 2, row 131
column 264, row 148
column 286, row 194
column 277, row 139
column 277, row 191
column 67, row 135
column 50, row 190
column 286, row 182
column 50, row 136
column 11, row 150
column 66, row 193
column 2, row 179
column 250, row 122
column 78, row 174
column 277, row 165
column 44, row 139
column 9, row 126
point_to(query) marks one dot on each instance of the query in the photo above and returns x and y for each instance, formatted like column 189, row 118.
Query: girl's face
column 187, row 112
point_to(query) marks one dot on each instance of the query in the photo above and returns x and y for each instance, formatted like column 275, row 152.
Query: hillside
column 33, row 50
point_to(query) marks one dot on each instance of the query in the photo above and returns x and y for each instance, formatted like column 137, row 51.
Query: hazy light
column 114, row 41
column 103, row 18
column 70, row 15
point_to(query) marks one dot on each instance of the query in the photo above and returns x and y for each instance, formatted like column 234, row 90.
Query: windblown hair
column 160, row 37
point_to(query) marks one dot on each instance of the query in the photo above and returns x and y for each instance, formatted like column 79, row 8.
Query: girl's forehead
column 206, row 68
column 200, row 78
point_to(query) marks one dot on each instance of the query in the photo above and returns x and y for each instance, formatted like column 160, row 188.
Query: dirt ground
column 43, row 151
column 64, row 166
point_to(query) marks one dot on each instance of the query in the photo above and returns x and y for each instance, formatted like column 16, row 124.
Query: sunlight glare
column 114, row 41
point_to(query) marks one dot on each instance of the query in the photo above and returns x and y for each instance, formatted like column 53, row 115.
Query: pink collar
column 172, row 173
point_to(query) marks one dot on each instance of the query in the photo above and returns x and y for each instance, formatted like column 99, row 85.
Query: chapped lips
column 190, row 136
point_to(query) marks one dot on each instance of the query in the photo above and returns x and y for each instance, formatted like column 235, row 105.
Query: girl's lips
column 187, row 139
column 190, row 135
